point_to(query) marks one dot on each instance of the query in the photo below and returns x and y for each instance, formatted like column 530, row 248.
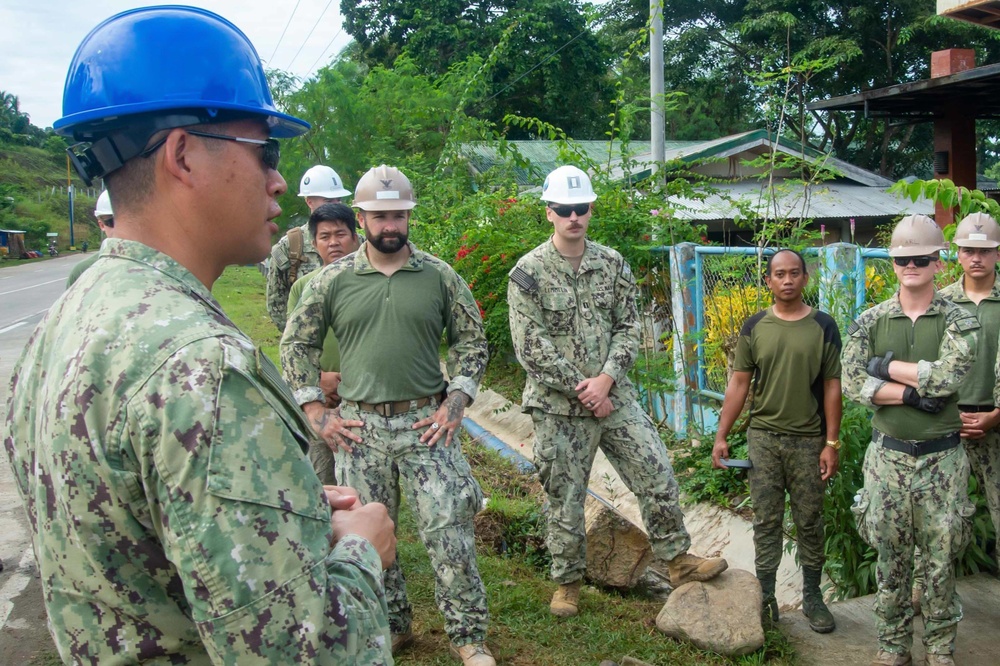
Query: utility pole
column 657, row 134
column 69, row 190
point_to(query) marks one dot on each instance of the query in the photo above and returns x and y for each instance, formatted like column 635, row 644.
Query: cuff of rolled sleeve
column 924, row 370
column 466, row 385
column 869, row 389
column 352, row 547
column 614, row 371
column 308, row 394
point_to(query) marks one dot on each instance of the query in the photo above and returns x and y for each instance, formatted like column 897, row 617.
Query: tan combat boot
column 401, row 641
column 940, row 660
column 687, row 568
column 473, row 654
column 883, row 658
column 566, row 600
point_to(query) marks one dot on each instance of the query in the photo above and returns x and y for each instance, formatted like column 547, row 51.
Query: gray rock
column 608, row 662
column 632, row 661
column 618, row 552
column 721, row 615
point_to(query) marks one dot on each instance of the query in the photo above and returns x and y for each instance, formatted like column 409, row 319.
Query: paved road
column 26, row 293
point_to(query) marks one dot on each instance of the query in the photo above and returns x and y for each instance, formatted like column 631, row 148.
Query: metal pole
column 657, row 135
column 69, row 190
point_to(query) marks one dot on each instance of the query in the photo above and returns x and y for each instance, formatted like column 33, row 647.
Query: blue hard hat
column 164, row 60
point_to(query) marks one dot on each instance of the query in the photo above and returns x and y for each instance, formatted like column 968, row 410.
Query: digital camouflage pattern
column 175, row 516
column 568, row 326
column 922, row 502
column 783, row 462
column 565, row 447
column 909, row 501
column 572, row 326
column 369, row 314
column 437, row 480
column 279, row 279
column 982, row 388
column 942, row 343
column 443, row 497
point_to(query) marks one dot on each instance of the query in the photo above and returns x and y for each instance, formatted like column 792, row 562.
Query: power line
column 271, row 59
column 545, row 60
column 325, row 50
column 289, row 68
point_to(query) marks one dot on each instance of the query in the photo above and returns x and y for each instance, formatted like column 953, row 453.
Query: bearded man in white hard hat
column 906, row 359
column 388, row 305
column 106, row 221
column 295, row 255
column 575, row 329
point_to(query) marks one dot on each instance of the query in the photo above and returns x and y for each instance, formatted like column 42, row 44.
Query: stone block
column 618, row 552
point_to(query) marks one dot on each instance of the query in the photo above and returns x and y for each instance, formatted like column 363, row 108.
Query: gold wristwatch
column 833, row 444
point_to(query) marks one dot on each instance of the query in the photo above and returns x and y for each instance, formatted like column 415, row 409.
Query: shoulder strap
column 296, row 250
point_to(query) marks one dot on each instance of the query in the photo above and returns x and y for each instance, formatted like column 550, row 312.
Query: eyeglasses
column 270, row 149
column 919, row 262
column 565, row 210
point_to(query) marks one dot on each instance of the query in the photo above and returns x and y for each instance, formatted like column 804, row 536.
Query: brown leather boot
column 566, row 600
column 883, row 658
column 687, row 568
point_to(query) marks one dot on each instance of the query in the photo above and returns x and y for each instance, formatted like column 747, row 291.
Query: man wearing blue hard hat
column 161, row 458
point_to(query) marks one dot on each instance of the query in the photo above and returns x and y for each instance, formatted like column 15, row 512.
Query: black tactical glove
column 929, row 405
column 878, row 366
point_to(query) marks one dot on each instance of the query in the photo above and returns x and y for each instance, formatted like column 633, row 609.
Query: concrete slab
column 854, row 640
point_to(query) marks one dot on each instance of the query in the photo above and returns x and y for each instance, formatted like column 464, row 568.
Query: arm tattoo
column 456, row 403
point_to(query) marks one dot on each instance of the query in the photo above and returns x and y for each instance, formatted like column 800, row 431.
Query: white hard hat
column 103, row 205
column 568, row 185
column 322, row 181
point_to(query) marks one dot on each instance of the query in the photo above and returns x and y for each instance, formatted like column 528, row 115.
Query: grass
column 511, row 559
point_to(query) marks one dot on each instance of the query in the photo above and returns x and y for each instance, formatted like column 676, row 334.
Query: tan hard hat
column 977, row 230
column 916, row 235
column 384, row 188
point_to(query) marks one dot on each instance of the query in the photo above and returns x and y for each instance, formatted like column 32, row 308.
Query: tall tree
column 542, row 58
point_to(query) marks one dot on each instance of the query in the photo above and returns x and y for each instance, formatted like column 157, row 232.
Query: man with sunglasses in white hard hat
column 397, row 426
column 295, row 255
column 174, row 513
column 906, row 358
column 575, row 330
column 106, row 221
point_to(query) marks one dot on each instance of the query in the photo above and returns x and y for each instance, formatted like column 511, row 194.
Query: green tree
column 550, row 66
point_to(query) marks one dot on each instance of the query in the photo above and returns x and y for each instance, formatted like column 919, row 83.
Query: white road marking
column 15, row 585
column 12, row 327
column 40, row 284
column 23, row 320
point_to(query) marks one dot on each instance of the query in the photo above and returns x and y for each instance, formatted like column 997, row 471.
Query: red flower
column 646, row 237
column 486, row 257
column 503, row 257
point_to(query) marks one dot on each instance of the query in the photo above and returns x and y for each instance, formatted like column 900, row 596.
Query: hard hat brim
column 329, row 194
column 587, row 198
column 977, row 243
column 372, row 206
column 915, row 250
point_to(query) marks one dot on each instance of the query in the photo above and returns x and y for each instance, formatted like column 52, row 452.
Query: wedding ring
column 435, row 426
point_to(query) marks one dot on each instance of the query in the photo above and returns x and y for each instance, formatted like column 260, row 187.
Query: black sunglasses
column 270, row 149
column 565, row 210
column 919, row 262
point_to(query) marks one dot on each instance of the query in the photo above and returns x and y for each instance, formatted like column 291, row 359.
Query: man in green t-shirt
column 334, row 231
column 906, row 358
column 790, row 355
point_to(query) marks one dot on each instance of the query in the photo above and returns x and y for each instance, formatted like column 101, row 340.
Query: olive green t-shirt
column 977, row 389
column 78, row 270
column 789, row 360
column 329, row 361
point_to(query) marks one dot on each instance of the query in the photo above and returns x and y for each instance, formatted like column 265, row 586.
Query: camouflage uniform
column 984, row 453
column 912, row 501
column 162, row 462
column 567, row 327
column 279, row 281
column 438, row 482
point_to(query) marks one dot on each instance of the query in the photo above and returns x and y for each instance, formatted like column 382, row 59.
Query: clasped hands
column 593, row 394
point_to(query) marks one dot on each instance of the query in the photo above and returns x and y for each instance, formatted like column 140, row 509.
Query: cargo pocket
column 558, row 312
column 860, row 509
column 961, row 529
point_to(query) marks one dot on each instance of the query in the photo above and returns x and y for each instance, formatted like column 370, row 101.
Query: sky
column 38, row 39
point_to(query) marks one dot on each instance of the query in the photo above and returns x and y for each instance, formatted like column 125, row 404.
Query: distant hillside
column 33, row 197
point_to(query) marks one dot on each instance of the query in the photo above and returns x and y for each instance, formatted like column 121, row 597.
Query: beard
column 389, row 243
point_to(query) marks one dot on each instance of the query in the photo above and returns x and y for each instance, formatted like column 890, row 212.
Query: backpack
column 296, row 251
